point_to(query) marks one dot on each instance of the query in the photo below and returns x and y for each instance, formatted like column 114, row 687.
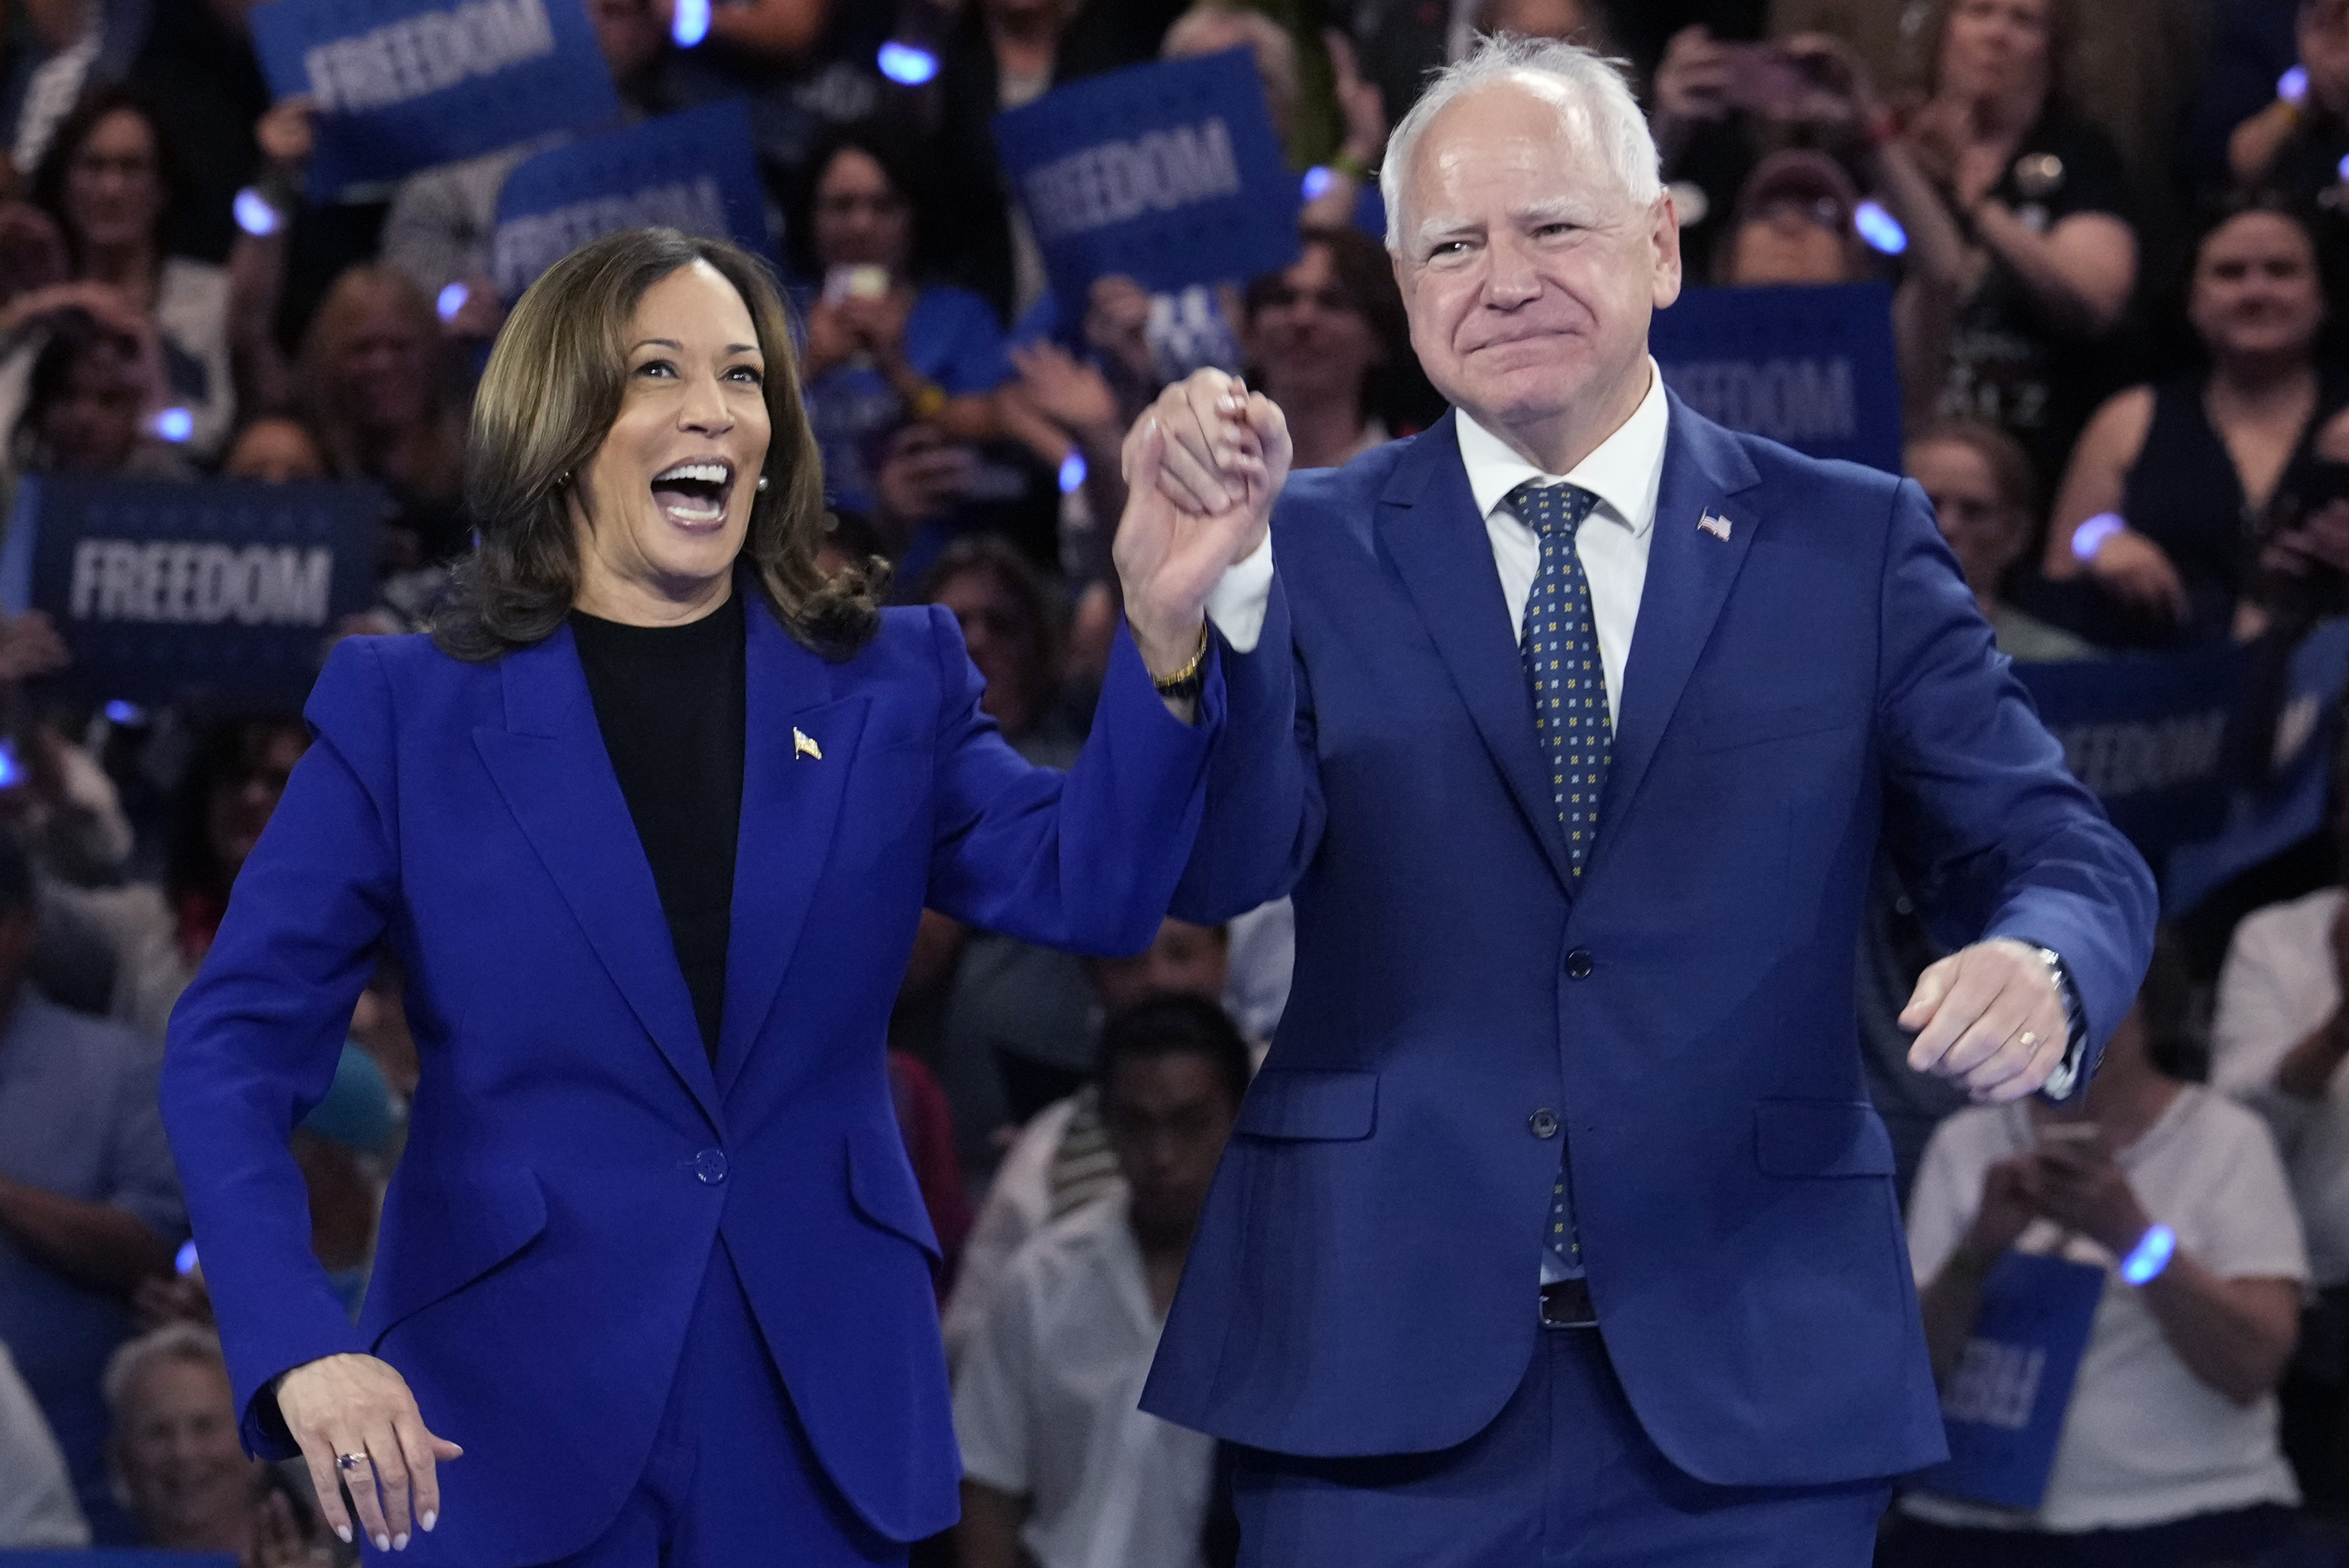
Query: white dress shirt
column 1625, row 472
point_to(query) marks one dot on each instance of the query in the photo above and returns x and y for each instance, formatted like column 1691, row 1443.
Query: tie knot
column 1551, row 509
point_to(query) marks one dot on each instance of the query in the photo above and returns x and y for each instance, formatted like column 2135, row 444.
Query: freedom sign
column 403, row 85
column 697, row 171
column 2004, row 1408
column 1811, row 368
column 1166, row 173
column 2153, row 739
column 223, row 592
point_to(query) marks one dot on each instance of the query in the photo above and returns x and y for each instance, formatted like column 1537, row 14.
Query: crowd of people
column 2116, row 246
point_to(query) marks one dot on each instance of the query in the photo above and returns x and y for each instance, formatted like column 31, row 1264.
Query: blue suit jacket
column 572, row 1156
column 1363, row 1281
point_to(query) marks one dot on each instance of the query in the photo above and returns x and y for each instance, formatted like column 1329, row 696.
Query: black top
column 2183, row 493
column 2008, row 364
column 669, row 702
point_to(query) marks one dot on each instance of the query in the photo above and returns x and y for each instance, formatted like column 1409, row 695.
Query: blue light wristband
column 2150, row 1255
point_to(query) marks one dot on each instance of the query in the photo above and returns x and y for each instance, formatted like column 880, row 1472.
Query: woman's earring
column 762, row 484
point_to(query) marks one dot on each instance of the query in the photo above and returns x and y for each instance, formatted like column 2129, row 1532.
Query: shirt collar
column 1622, row 471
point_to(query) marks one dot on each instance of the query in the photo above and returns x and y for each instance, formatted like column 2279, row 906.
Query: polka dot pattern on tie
column 1568, row 680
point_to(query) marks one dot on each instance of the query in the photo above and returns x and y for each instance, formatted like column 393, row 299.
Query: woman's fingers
column 325, row 1484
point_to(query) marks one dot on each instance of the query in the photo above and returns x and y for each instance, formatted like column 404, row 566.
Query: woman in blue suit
column 649, row 820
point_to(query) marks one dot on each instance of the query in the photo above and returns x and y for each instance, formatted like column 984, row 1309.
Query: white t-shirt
column 1047, row 1405
column 2145, row 1442
column 37, row 1496
column 2277, row 985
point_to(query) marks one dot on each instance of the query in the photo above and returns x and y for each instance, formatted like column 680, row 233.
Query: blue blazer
column 572, row 1156
column 1363, row 1281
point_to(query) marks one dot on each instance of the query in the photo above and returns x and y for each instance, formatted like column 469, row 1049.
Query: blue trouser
column 1564, row 1475
column 732, row 1479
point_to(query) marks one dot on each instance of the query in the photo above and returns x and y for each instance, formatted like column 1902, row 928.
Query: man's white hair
column 1593, row 98
column 189, row 1342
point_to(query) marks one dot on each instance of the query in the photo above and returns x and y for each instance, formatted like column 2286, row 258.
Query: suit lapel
column 792, row 796
column 1689, row 571
column 1430, row 529
column 550, row 763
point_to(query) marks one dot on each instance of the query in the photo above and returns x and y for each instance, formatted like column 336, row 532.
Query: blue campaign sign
column 1167, row 173
column 402, row 85
column 2289, row 803
column 223, row 592
column 1812, row 367
column 697, row 171
column 2003, row 1409
column 2153, row 739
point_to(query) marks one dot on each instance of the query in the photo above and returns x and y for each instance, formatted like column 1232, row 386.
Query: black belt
column 1567, row 1304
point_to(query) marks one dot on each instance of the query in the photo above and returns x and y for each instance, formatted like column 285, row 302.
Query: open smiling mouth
column 693, row 495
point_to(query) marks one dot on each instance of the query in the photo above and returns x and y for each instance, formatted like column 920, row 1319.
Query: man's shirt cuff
column 1236, row 603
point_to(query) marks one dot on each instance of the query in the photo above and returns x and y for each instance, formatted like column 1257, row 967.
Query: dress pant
column 1564, row 1475
column 732, row 1480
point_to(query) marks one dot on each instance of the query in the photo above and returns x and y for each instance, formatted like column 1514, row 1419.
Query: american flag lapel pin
column 1716, row 525
column 803, row 745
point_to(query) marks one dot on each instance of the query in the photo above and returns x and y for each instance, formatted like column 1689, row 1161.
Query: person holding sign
column 648, row 822
column 2169, row 1451
column 1558, row 1224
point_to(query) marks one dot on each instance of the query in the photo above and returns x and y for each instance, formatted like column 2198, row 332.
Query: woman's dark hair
column 227, row 752
column 547, row 402
column 1365, row 275
column 64, row 144
column 899, row 165
column 988, row 555
column 2165, row 1007
column 2063, row 33
column 1164, row 1026
column 71, row 337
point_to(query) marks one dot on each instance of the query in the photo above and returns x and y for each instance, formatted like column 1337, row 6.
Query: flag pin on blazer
column 803, row 745
column 1714, row 525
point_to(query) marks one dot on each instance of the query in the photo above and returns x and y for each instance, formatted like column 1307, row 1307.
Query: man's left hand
column 1989, row 1018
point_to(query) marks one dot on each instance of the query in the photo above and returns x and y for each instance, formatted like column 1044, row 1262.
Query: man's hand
column 358, row 1406
column 1202, row 468
column 1989, row 1018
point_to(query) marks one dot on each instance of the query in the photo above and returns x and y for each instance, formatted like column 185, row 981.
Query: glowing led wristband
column 2090, row 536
column 2150, row 1255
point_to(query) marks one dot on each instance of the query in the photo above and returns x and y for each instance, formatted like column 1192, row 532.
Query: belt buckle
column 1567, row 1304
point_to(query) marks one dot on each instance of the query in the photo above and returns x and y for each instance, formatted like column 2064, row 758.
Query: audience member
column 1319, row 336
column 62, row 49
column 89, row 1204
column 2173, row 485
column 1793, row 224
column 1058, row 1462
column 177, row 1460
column 887, row 344
column 2278, row 1038
column 377, row 389
column 275, row 449
column 36, row 1495
column 2168, row 1454
column 2295, row 141
column 1061, row 1159
column 2049, row 261
column 92, row 399
column 1979, row 479
column 110, row 182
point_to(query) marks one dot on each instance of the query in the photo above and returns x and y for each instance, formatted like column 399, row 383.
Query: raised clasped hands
column 1203, row 466
column 1989, row 1018
column 357, row 1406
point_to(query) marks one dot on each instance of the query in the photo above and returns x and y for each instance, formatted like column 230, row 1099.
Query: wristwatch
column 2066, row 1075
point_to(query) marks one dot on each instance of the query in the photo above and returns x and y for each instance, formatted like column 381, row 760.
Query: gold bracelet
column 928, row 401
column 1185, row 682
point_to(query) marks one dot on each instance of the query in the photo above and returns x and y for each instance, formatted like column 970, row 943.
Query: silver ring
column 350, row 1461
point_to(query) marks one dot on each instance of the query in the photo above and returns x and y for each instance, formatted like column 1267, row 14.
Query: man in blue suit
column 1558, row 1226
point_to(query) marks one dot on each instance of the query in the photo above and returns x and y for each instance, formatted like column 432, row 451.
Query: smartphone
column 2080, row 1135
column 863, row 280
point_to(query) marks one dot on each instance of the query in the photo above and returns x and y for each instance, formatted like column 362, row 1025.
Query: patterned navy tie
column 1569, row 682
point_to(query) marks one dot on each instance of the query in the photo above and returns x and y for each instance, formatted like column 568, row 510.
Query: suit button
column 1577, row 964
column 709, row 1167
column 1543, row 1123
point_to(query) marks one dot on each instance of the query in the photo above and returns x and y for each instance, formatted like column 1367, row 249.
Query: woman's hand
column 2137, row 570
column 1202, row 468
column 356, row 1405
column 830, row 342
column 1361, row 105
column 878, row 326
column 1692, row 78
column 1117, row 326
column 30, row 645
column 1063, row 388
column 2084, row 1189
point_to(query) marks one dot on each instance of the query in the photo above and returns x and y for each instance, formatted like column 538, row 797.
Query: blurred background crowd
column 2117, row 241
